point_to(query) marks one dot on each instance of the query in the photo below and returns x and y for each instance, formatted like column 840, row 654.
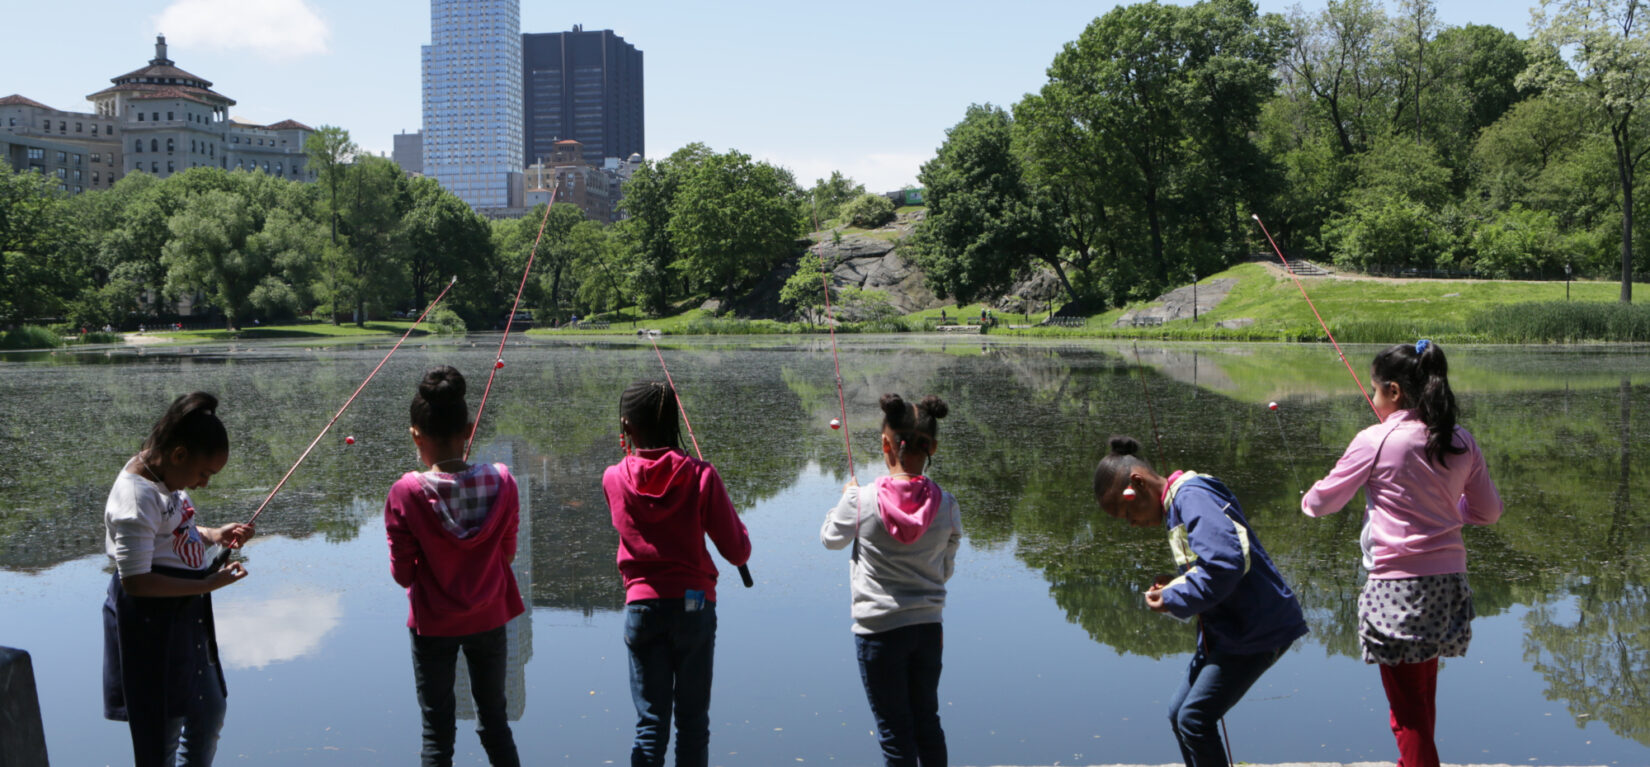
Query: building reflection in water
column 520, row 629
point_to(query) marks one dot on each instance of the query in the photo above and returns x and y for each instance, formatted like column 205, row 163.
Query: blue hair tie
column 1421, row 346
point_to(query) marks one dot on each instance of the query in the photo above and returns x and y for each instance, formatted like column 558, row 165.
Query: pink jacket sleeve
column 720, row 520
column 1333, row 492
column 405, row 553
column 1480, row 502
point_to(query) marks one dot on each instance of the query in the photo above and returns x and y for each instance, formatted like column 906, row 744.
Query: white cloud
column 256, row 633
column 275, row 29
column 878, row 171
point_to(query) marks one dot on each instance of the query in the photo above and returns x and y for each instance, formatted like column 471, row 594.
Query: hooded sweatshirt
column 908, row 532
column 452, row 539
column 663, row 504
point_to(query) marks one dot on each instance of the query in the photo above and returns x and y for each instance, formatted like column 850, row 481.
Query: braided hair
column 650, row 408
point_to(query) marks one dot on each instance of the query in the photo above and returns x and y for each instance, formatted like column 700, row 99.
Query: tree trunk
column 1624, row 171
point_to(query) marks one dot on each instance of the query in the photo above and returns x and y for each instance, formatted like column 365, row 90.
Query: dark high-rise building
column 585, row 87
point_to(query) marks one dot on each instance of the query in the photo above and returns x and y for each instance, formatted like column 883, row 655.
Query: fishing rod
column 1321, row 323
column 498, row 359
column 1225, row 738
column 223, row 558
column 744, row 570
column 1288, row 448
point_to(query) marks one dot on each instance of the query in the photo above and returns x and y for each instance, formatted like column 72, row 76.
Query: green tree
column 732, row 220
column 804, row 290
column 374, row 199
column 39, row 246
column 1595, row 54
column 209, row 252
column 828, row 196
column 982, row 227
column 442, row 238
column 330, row 152
column 648, row 198
column 557, row 250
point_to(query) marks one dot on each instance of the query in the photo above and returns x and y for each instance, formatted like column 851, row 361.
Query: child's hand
column 1154, row 599
column 230, row 573
column 232, row 535
column 852, row 483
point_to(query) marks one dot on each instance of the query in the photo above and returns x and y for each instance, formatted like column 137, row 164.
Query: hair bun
column 933, row 406
column 1125, row 446
column 894, row 407
column 442, row 384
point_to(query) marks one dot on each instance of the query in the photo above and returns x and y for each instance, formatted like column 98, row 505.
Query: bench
column 1065, row 322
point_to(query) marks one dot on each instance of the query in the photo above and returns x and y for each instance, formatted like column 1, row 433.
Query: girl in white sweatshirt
column 905, row 531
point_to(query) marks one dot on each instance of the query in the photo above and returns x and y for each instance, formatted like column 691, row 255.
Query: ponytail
column 913, row 428
column 438, row 409
column 1422, row 374
column 192, row 424
column 1124, row 456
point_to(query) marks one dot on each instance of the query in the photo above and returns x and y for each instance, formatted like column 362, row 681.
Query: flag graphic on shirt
column 186, row 540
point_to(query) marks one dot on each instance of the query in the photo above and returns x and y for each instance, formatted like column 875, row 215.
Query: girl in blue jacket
column 1247, row 616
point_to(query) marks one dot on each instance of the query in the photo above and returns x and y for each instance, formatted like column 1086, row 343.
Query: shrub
column 868, row 211
column 446, row 322
column 30, row 337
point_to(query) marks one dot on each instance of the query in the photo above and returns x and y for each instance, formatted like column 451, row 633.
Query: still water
column 1051, row 657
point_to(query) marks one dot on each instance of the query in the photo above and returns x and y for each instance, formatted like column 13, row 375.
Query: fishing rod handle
column 745, row 575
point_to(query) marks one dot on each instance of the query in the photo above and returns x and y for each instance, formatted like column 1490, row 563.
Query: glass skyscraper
column 472, row 100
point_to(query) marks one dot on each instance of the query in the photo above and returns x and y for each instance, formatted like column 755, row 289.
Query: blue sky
column 865, row 87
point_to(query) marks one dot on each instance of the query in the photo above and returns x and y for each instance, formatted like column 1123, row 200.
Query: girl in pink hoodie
column 452, row 533
column 1423, row 478
column 905, row 531
column 663, row 504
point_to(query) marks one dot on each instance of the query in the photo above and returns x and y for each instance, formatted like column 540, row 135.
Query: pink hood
column 908, row 507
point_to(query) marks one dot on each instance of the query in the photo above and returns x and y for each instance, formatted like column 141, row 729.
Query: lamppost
column 1194, row 296
column 1566, row 282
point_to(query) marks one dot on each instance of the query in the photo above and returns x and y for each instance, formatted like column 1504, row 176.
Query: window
column 168, row 144
column 36, row 153
column 169, row 167
column 155, row 116
column 154, row 145
column 77, row 176
column 94, row 178
column 62, row 172
column 168, row 116
column 191, row 146
column 78, row 130
column 62, row 126
column 96, row 158
column 77, row 159
column 154, row 167
column 140, row 117
column 62, row 157
column 108, row 130
column 277, row 169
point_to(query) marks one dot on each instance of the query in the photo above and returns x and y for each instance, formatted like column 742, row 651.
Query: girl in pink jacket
column 1423, row 478
column 452, row 534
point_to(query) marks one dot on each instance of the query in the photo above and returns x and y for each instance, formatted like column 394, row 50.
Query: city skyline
column 867, row 89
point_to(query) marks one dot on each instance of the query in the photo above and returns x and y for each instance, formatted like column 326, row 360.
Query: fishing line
column 842, row 402
column 498, row 360
column 744, row 570
column 1288, row 449
column 1156, row 437
column 222, row 558
column 1321, row 323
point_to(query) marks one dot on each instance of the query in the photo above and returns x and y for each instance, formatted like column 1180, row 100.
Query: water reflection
column 1559, row 427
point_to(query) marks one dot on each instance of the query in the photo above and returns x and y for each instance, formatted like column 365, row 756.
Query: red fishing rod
column 1321, row 323
column 842, row 401
column 223, row 558
column 498, row 359
column 744, row 570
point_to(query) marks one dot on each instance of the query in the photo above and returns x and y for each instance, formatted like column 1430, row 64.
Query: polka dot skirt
column 1413, row 620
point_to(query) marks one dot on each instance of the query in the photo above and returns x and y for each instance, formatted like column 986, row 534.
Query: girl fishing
column 905, row 531
column 452, row 536
column 664, row 503
column 1247, row 615
column 1423, row 477
column 160, row 651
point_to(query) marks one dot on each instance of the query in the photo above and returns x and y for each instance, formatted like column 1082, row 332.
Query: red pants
column 1411, row 691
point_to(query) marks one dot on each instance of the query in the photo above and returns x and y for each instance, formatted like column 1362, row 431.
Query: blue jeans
column 901, row 672
column 191, row 740
column 672, row 651
column 435, row 667
column 1214, row 683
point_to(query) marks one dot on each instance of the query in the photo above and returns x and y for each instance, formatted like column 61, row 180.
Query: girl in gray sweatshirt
column 904, row 531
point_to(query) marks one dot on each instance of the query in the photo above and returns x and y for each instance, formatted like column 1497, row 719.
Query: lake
column 1051, row 657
